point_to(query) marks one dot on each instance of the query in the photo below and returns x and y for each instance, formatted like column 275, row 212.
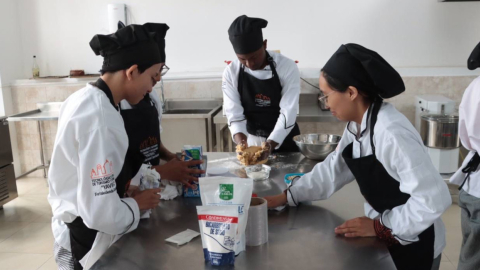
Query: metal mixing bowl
column 317, row 146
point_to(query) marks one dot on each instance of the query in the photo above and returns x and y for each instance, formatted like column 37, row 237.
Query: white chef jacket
column 88, row 155
column 469, row 131
column 289, row 77
column 400, row 150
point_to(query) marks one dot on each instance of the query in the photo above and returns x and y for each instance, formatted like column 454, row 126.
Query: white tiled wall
column 26, row 97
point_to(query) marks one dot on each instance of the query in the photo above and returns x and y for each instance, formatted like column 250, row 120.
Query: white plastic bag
column 150, row 180
column 218, row 191
column 218, row 229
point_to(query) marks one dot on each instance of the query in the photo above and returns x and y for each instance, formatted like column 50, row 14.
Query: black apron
column 261, row 104
column 383, row 193
column 82, row 237
column 143, row 130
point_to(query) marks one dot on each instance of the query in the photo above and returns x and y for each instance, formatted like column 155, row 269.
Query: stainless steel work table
column 299, row 238
column 48, row 111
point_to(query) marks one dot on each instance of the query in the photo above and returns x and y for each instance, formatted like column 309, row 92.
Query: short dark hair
column 141, row 69
column 342, row 87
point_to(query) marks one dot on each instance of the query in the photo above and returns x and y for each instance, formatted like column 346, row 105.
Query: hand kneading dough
column 250, row 155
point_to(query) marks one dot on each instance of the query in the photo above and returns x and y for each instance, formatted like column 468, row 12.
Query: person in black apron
column 382, row 192
column 261, row 118
column 135, row 47
column 361, row 79
column 260, row 99
column 142, row 125
column 143, row 130
column 467, row 176
column 82, row 237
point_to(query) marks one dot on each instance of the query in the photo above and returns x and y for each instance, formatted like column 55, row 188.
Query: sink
column 191, row 104
column 191, row 111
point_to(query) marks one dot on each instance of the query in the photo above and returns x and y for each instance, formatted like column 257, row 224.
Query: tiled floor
column 26, row 241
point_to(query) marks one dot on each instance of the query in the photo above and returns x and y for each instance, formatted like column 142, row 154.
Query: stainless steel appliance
column 437, row 124
column 440, row 131
column 8, row 186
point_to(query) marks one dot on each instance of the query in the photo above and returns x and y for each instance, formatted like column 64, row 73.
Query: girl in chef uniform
column 90, row 169
column 405, row 195
column 468, row 176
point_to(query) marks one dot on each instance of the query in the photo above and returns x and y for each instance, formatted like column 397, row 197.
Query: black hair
column 335, row 84
column 141, row 69
column 342, row 87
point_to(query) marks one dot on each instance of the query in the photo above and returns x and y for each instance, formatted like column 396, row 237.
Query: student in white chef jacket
column 468, row 176
column 260, row 90
column 405, row 195
column 143, row 126
column 90, row 171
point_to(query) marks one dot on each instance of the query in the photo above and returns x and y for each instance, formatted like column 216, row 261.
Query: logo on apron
column 262, row 100
column 149, row 148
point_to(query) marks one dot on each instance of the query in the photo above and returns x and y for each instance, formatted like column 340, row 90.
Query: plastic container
column 291, row 176
column 258, row 172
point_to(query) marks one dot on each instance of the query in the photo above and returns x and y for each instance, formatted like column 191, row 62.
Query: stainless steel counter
column 47, row 111
column 299, row 238
column 309, row 112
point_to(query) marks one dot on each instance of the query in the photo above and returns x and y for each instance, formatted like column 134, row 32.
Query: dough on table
column 250, row 155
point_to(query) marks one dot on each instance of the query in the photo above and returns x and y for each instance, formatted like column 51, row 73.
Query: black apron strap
column 240, row 79
column 241, row 72
column 472, row 166
column 102, row 85
column 273, row 66
column 373, row 114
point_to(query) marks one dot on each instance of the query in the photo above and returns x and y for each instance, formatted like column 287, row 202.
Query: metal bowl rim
column 325, row 143
column 440, row 117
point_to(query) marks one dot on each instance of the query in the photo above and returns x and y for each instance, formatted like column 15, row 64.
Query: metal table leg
column 230, row 143
column 218, row 130
column 42, row 157
column 42, row 166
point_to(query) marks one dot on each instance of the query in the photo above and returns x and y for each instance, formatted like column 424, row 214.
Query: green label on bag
column 226, row 192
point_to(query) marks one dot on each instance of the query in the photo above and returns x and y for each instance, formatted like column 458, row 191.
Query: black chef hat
column 474, row 59
column 245, row 33
column 143, row 45
column 366, row 70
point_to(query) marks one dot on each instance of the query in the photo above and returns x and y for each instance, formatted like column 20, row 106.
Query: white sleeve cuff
column 136, row 212
column 291, row 201
column 385, row 221
column 278, row 136
column 238, row 127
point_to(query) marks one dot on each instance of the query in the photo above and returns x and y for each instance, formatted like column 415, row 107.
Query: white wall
column 408, row 33
column 11, row 61
column 11, row 58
